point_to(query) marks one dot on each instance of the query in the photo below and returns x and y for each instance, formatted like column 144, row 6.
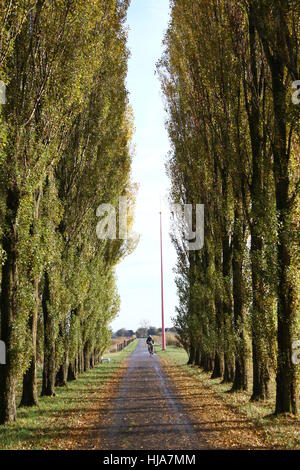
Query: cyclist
column 150, row 343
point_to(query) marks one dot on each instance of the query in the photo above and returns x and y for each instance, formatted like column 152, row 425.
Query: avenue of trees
column 65, row 133
column 228, row 75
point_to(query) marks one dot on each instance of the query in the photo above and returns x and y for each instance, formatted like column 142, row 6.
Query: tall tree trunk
column 191, row 308
column 8, row 310
column 218, row 369
column 286, row 388
column 281, row 50
column 29, row 394
column 79, row 368
column 228, row 368
column 72, row 374
column 260, row 359
column 241, row 371
column 75, row 363
column 81, row 361
column 261, row 375
column 192, row 353
column 92, row 360
column 286, row 393
column 86, row 358
column 208, row 363
column 226, row 272
column 197, row 357
column 62, row 373
column 48, row 386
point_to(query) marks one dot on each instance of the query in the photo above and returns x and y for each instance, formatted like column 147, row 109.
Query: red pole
column 162, row 288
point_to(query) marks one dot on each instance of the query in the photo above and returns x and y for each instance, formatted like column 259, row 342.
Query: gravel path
column 146, row 413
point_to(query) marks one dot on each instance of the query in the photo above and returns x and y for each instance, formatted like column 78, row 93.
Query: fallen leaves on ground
column 222, row 427
column 85, row 434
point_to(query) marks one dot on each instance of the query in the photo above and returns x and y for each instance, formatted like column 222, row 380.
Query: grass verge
column 280, row 432
column 60, row 422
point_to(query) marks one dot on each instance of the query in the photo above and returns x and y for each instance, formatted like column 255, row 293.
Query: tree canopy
column 65, row 149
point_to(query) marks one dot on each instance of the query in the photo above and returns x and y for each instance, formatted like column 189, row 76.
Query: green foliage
column 217, row 75
column 64, row 150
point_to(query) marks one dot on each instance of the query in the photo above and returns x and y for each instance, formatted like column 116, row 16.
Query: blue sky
column 139, row 274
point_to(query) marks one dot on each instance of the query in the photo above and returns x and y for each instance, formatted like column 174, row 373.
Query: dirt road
column 146, row 414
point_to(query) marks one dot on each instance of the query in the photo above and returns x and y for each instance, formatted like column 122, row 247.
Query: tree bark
column 76, row 365
column 81, row 361
column 261, row 375
column 260, row 360
column 29, row 394
column 8, row 309
column 197, row 357
column 241, row 371
column 218, row 366
column 286, row 393
column 72, row 375
column 218, row 369
column 281, row 50
column 192, row 353
column 226, row 272
column 48, row 386
column 61, row 375
column 208, row 363
column 228, row 369
column 92, row 360
column 86, row 360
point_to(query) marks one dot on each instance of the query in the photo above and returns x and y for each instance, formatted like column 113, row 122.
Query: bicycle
column 151, row 349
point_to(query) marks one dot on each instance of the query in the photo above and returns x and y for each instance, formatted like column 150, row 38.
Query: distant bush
column 157, row 339
column 172, row 340
column 141, row 332
column 153, row 331
column 123, row 333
